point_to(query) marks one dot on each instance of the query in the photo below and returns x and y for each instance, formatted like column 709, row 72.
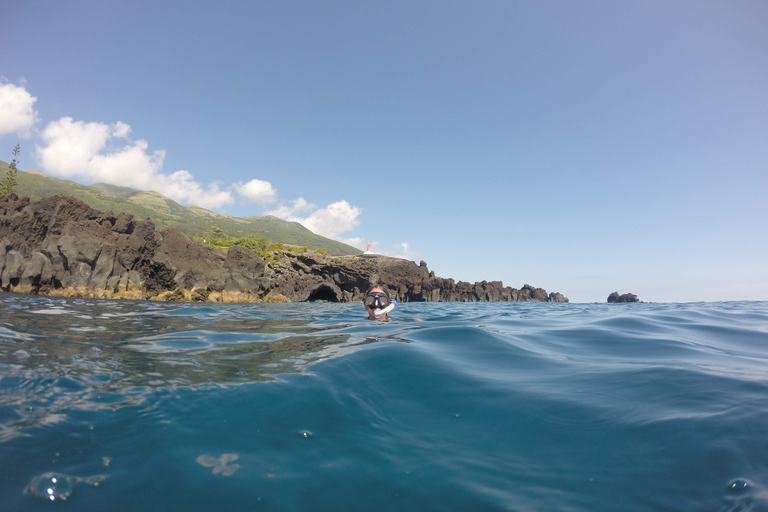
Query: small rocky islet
column 60, row 246
column 624, row 297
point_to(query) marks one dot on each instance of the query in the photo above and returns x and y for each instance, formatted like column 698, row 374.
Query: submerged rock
column 221, row 465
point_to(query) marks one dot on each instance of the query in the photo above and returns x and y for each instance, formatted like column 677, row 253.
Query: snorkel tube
column 379, row 312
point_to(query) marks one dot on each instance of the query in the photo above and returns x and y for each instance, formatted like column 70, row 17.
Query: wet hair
column 383, row 288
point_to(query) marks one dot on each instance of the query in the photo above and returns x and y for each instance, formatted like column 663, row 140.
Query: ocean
column 142, row 406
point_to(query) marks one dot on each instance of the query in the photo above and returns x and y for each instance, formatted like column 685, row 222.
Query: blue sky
column 583, row 147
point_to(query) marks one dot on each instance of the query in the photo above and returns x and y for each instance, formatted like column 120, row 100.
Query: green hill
column 164, row 212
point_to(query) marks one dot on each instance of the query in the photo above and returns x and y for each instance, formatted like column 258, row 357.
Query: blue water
column 120, row 405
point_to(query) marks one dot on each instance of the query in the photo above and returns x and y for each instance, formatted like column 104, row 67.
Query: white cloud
column 331, row 221
column 402, row 251
column 259, row 191
column 76, row 148
column 182, row 185
column 17, row 114
column 101, row 152
column 356, row 242
column 291, row 212
column 406, row 253
column 334, row 219
column 120, row 129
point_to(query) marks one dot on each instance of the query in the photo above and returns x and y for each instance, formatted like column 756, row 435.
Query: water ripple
column 515, row 406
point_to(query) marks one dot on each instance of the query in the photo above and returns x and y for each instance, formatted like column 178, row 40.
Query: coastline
column 59, row 246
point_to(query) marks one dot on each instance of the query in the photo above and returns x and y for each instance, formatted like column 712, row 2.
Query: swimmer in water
column 377, row 303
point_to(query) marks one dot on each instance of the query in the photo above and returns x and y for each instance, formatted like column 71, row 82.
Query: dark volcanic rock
column 185, row 263
column 60, row 245
column 60, row 242
column 309, row 277
column 244, row 271
column 627, row 297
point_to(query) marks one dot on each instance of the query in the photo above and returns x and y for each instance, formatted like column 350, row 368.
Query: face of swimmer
column 368, row 299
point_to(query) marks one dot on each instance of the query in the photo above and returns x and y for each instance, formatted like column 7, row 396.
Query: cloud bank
column 105, row 153
column 17, row 113
column 331, row 221
column 93, row 151
column 102, row 152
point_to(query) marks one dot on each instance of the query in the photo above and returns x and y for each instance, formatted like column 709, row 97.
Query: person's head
column 376, row 299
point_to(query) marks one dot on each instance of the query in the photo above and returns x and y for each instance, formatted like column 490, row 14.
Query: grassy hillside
column 164, row 212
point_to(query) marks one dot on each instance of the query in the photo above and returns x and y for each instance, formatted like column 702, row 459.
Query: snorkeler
column 377, row 303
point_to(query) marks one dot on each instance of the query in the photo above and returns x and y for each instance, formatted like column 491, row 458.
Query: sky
column 581, row 147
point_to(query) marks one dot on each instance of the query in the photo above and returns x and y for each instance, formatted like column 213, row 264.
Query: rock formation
column 310, row 276
column 61, row 246
column 627, row 297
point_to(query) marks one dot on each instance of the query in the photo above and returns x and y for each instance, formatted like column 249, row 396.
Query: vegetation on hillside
column 272, row 253
column 164, row 212
column 10, row 182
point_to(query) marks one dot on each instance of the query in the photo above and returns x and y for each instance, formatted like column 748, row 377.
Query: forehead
column 376, row 289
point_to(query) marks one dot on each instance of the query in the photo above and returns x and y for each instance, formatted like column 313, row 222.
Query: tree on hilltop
column 9, row 184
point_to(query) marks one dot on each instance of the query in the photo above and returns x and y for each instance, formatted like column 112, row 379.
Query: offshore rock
column 60, row 246
column 627, row 297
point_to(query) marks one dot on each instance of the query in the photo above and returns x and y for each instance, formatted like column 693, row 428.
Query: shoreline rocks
column 60, row 246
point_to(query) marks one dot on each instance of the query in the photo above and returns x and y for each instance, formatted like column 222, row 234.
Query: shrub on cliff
column 258, row 245
column 215, row 232
column 9, row 184
column 270, row 252
column 261, row 246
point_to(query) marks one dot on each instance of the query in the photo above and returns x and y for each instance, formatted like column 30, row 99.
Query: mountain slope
column 164, row 212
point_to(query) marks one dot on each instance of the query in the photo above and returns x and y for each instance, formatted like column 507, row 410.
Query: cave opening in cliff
column 323, row 294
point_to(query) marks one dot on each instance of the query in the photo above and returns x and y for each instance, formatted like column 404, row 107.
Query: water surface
column 122, row 405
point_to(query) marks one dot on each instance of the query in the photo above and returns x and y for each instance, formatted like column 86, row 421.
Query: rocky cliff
column 61, row 246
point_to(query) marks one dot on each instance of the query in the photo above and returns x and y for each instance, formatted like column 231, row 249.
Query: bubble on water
column 739, row 496
column 738, row 485
column 58, row 486
column 242, row 373
column 106, row 460
column 95, row 350
column 52, row 486
column 306, row 434
column 21, row 354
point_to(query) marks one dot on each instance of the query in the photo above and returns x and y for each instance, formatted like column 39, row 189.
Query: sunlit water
column 139, row 406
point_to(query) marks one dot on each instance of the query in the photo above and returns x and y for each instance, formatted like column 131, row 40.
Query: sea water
column 143, row 406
